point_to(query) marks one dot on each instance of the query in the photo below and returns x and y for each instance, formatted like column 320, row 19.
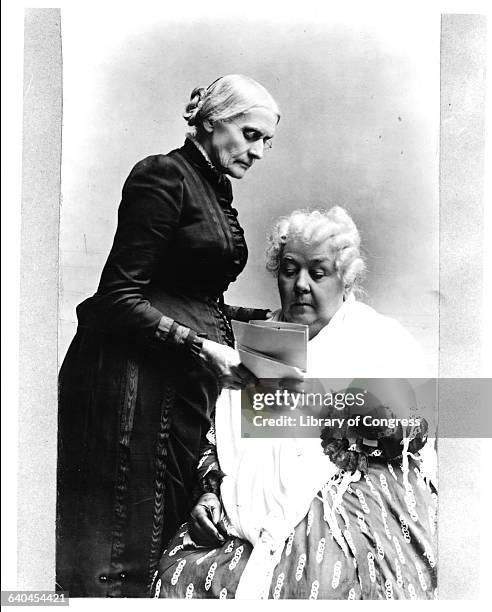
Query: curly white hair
column 334, row 228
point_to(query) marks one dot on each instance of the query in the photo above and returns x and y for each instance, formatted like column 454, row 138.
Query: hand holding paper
column 272, row 349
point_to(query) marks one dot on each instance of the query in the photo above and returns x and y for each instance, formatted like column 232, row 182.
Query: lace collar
column 200, row 157
column 202, row 151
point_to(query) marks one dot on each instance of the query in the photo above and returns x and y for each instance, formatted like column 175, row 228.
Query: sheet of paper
column 277, row 341
column 263, row 367
column 280, row 325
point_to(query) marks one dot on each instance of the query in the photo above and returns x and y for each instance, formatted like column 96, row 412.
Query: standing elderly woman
column 153, row 348
column 350, row 517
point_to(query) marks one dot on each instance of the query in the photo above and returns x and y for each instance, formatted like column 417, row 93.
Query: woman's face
column 233, row 146
column 310, row 291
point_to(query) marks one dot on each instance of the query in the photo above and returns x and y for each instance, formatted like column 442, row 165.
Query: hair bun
column 196, row 101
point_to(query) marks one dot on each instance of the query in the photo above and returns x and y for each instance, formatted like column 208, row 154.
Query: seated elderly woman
column 347, row 518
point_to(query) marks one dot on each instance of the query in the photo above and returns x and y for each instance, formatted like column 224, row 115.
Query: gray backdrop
column 461, row 163
column 359, row 128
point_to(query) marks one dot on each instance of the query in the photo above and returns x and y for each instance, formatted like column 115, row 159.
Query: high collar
column 197, row 156
column 202, row 150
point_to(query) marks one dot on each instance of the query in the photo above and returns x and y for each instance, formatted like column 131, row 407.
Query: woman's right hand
column 225, row 363
column 205, row 523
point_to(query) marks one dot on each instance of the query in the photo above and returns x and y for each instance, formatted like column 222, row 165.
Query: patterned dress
column 369, row 533
column 381, row 545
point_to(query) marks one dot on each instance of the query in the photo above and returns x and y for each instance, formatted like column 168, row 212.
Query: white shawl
column 269, row 483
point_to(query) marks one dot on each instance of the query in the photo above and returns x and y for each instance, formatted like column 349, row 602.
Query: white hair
column 226, row 98
column 333, row 228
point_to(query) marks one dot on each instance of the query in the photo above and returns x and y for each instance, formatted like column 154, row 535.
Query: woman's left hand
column 204, row 526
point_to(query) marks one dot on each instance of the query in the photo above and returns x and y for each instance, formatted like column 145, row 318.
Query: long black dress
column 133, row 408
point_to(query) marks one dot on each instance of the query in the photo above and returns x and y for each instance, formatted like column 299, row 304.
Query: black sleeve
column 149, row 213
column 238, row 313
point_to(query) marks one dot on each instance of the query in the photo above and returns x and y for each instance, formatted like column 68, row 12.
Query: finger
column 221, row 528
column 231, row 383
column 215, row 513
column 246, row 376
column 236, row 385
column 208, row 527
column 198, row 511
column 234, row 381
column 202, row 537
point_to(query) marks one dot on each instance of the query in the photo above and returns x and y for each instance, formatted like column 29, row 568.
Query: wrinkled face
column 234, row 145
column 310, row 290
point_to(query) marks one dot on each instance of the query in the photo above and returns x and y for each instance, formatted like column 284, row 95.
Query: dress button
column 103, row 578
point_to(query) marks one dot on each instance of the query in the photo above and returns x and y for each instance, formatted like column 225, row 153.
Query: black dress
column 133, row 408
